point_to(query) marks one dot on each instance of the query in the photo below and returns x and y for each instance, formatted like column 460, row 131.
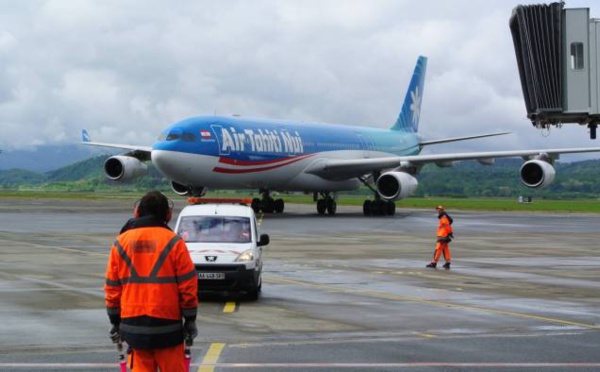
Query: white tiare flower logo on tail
column 415, row 106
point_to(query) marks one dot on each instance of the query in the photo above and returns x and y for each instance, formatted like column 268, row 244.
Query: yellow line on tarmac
column 229, row 307
column 425, row 335
column 211, row 357
column 260, row 218
column 392, row 296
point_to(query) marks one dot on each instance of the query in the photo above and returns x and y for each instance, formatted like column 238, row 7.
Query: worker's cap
column 439, row 207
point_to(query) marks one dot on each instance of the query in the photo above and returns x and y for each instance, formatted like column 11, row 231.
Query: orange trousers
column 170, row 359
column 441, row 247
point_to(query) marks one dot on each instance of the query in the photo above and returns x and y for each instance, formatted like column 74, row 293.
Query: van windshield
column 214, row 229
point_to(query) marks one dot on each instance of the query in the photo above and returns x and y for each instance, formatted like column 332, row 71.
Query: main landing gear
column 325, row 203
column 377, row 207
column 267, row 204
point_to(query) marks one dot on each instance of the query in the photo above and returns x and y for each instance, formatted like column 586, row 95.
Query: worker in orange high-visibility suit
column 444, row 236
column 151, row 288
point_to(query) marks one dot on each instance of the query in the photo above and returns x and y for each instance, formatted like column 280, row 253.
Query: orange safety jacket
column 444, row 226
column 151, row 283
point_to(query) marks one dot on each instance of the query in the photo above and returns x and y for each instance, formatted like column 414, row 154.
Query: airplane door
column 363, row 145
column 219, row 137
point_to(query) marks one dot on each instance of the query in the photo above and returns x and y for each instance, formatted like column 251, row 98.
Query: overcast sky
column 127, row 69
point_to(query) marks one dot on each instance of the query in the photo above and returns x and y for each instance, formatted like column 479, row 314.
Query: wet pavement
column 340, row 293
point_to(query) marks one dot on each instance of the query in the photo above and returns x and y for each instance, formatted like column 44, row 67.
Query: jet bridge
column 558, row 55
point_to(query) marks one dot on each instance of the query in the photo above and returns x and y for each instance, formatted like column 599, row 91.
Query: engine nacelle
column 183, row 190
column 124, row 168
column 180, row 189
column 396, row 185
column 537, row 173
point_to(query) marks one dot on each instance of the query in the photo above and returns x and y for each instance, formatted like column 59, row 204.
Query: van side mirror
column 264, row 240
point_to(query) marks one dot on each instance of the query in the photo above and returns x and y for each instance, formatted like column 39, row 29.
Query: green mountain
column 86, row 175
column 16, row 177
column 82, row 170
column 573, row 180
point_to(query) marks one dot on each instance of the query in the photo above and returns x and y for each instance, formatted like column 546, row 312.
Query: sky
column 126, row 69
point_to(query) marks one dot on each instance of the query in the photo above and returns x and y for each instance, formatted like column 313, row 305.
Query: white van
column 225, row 246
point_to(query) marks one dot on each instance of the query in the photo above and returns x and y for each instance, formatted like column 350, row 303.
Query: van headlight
column 245, row 256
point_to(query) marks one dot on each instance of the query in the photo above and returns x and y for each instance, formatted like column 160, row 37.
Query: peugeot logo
column 210, row 258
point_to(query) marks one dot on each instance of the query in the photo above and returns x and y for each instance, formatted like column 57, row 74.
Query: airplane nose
column 159, row 160
column 167, row 164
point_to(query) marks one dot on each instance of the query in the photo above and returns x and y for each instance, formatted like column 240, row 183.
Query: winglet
column 408, row 120
column 85, row 137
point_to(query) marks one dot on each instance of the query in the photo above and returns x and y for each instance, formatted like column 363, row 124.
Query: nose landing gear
column 267, row 204
column 325, row 203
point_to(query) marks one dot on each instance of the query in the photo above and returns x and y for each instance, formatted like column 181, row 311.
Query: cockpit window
column 188, row 137
column 173, row 136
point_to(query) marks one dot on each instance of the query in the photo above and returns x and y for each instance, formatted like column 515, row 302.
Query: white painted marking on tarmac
column 407, row 365
column 46, row 366
column 96, row 293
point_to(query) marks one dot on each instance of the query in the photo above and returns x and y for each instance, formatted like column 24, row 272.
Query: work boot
column 447, row 266
column 432, row 265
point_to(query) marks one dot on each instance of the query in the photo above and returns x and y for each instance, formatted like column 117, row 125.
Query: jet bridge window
column 577, row 56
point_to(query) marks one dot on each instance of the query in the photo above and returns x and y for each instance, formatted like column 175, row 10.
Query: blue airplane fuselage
column 234, row 152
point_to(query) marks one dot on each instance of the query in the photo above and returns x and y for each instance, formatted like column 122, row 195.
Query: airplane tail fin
column 85, row 137
column 408, row 120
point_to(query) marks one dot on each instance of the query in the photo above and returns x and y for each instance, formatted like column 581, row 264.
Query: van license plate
column 211, row 276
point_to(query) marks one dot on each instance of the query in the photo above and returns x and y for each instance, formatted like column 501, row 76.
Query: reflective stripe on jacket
column 150, row 285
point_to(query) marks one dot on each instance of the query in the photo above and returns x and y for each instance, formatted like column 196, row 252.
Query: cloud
column 126, row 69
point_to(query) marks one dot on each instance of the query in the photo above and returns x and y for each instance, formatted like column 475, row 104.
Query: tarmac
column 347, row 293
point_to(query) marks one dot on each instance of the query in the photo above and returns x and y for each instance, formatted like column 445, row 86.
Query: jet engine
column 537, row 173
column 180, row 189
column 183, row 190
column 123, row 168
column 396, row 185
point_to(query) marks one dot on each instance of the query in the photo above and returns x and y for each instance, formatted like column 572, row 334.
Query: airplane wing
column 456, row 139
column 344, row 169
column 140, row 152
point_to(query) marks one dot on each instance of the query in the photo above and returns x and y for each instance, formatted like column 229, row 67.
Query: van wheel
column 255, row 292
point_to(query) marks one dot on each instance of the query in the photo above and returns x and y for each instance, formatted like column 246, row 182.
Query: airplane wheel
column 321, row 206
column 256, row 205
column 279, row 205
column 268, row 206
column 379, row 208
column 367, row 208
column 391, row 210
column 331, row 207
column 254, row 293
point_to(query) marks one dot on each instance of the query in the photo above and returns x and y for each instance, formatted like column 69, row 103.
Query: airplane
column 233, row 152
